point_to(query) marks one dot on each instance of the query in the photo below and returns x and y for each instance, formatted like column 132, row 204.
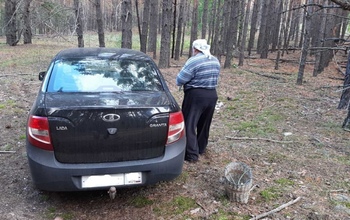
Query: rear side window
column 100, row 75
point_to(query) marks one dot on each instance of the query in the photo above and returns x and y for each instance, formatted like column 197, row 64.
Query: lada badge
column 110, row 117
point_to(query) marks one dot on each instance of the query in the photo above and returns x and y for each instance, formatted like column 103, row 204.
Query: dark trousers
column 198, row 108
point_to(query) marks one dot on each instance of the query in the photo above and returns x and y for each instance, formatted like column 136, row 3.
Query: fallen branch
column 330, row 87
column 336, row 78
column 7, row 152
column 258, row 139
column 337, row 190
column 266, row 75
column 201, row 206
column 276, row 209
column 16, row 74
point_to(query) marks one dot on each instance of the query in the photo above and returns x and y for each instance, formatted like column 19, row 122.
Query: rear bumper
column 50, row 175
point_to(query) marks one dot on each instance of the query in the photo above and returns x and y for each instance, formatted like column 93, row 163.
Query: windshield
column 103, row 75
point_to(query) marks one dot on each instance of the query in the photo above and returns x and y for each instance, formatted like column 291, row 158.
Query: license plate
column 111, row 180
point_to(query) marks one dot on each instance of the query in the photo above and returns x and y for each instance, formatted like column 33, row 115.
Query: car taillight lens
column 39, row 133
column 176, row 127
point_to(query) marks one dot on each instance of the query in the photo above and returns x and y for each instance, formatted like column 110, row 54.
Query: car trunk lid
column 107, row 127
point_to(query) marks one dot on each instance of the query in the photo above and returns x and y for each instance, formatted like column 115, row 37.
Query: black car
column 103, row 117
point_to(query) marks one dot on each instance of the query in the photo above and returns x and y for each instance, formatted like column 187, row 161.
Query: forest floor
column 289, row 135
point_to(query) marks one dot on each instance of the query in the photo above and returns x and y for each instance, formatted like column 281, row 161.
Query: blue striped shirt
column 199, row 72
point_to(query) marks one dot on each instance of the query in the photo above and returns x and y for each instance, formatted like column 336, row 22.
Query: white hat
column 201, row 45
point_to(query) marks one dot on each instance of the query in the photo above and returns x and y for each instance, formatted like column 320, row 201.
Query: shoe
column 191, row 161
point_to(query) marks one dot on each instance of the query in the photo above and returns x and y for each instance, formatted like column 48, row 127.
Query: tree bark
column 280, row 35
column 27, row 34
column 152, row 40
column 179, row 30
column 345, row 96
column 126, row 18
column 253, row 25
column 10, row 22
column 319, row 43
column 230, row 21
column 276, row 22
column 231, row 28
column 79, row 23
column 145, row 26
column 164, row 57
column 174, row 29
column 263, row 40
column 194, row 26
column 205, row 19
column 306, row 44
column 216, row 35
column 244, row 37
column 99, row 21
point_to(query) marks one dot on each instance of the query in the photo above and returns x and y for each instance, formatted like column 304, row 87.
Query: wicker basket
column 238, row 181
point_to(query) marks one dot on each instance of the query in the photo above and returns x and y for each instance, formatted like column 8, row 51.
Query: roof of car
column 102, row 52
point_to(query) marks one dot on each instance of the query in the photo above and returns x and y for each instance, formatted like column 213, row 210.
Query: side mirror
column 42, row 75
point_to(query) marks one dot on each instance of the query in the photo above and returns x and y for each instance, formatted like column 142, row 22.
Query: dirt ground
column 289, row 135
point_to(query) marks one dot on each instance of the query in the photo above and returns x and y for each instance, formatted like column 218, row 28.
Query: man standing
column 199, row 78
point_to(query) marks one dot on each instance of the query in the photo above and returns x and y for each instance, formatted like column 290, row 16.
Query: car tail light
column 39, row 133
column 176, row 127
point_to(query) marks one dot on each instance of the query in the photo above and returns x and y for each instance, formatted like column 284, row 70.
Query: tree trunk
column 216, row 35
column 244, row 37
column 145, row 26
column 186, row 4
column 126, row 18
column 214, row 26
column 138, row 19
column 332, row 31
column 174, row 29
column 277, row 15
column 345, row 96
column 205, row 19
column 229, row 31
column 306, row 44
column 230, row 17
column 263, row 40
column 179, row 30
column 280, row 35
column 194, row 26
column 99, row 21
column 319, row 43
column 10, row 22
column 345, row 23
column 79, row 23
column 253, row 25
column 27, row 34
column 211, row 24
column 287, row 29
column 152, row 40
column 164, row 57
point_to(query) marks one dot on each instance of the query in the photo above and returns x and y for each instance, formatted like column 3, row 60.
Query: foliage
column 270, row 193
column 141, row 201
column 177, row 205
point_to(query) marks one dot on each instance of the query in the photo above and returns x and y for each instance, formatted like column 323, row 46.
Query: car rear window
column 103, row 75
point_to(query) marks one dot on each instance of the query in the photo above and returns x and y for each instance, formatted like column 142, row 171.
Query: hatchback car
column 103, row 117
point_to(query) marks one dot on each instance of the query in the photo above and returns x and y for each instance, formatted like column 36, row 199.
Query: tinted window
column 99, row 75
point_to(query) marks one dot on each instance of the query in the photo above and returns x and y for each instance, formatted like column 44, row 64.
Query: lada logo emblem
column 110, row 117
